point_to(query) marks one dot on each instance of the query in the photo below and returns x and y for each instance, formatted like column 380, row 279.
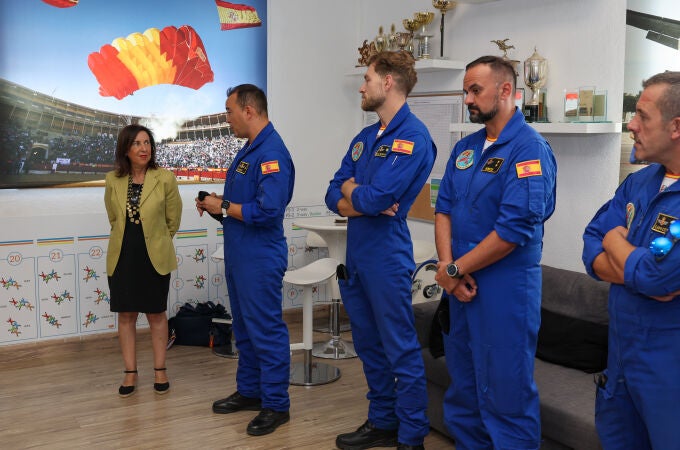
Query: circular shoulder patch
column 465, row 159
column 357, row 150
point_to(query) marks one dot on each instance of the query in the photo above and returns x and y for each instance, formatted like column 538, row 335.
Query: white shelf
column 552, row 128
column 424, row 66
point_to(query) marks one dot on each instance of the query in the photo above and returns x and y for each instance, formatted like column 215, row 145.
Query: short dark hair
column 401, row 65
column 502, row 67
column 126, row 136
column 669, row 103
column 250, row 95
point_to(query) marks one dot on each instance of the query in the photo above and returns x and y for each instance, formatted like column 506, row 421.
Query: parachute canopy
column 171, row 56
column 61, row 3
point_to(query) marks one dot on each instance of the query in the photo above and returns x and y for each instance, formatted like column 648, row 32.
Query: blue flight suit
column 261, row 178
column 639, row 405
column 390, row 169
column 492, row 401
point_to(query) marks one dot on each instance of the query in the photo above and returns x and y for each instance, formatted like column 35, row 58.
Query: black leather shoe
column 401, row 446
column 267, row 421
column 236, row 402
column 366, row 436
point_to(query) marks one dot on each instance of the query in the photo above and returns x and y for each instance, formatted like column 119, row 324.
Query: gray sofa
column 567, row 394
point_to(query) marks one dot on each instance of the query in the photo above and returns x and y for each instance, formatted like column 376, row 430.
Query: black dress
column 135, row 285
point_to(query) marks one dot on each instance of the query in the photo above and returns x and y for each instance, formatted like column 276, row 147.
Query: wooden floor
column 63, row 394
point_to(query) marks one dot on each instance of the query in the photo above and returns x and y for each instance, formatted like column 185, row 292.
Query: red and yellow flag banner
column 233, row 15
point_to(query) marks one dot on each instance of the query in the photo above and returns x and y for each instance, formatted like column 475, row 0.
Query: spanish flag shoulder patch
column 529, row 168
column 269, row 167
column 402, row 146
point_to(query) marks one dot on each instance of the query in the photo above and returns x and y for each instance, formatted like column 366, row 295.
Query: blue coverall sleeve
column 527, row 201
column 344, row 173
column 609, row 216
column 274, row 191
column 644, row 274
column 393, row 178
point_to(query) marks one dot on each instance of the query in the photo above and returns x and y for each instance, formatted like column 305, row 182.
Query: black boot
column 366, row 436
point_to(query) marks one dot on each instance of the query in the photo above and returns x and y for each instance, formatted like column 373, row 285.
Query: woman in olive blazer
column 144, row 209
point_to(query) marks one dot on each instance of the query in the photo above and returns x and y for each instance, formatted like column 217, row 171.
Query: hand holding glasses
column 661, row 246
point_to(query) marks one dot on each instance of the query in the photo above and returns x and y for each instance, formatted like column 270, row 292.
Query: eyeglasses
column 661, row 246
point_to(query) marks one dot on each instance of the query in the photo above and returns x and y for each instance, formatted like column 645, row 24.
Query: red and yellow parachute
column 61, row 3
column 171, row 56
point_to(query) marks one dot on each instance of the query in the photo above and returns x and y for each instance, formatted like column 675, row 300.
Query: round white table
column 333, row 230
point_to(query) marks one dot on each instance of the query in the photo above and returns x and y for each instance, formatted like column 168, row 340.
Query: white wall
column 315, row 105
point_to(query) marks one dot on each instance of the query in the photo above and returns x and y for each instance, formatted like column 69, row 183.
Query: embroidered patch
column 529, row 168
column 382, row 151
column 465, row 159
column 401, row 146
column 269, row 167
column 357, row 150
column 662, row 222
column 493, row 165
column 630, row 214
column 242, row 167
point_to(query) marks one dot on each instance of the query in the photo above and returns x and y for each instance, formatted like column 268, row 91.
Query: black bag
column 193, row 325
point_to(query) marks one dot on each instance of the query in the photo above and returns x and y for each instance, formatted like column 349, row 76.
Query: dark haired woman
column 144, row 208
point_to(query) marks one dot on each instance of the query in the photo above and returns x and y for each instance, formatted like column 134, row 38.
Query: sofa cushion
column 572, row 342
column 575, row 294
column 567, row 405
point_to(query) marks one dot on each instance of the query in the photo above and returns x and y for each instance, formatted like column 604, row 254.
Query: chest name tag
column 529, row 168
column 493, row 165
column 242, row 167
column 269, row 167
column 401, row 146
column 382, row 151
column 662, row 223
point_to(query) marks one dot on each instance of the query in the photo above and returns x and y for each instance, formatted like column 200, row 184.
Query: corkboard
column 421, row 208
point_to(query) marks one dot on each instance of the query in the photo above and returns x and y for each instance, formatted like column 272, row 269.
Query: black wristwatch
column 453, row 271
column 225, row 207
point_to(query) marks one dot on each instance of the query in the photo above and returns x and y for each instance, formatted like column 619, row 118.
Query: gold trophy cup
column 443, row 6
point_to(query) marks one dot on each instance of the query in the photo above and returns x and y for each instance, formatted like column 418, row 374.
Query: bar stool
column 313, row 240
column 423, row 286
column 423, row 250
column 226, row 350
column 307, row 373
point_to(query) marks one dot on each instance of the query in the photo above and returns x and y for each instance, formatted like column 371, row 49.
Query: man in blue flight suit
column 258, row 188
column 379, row 178
column 497, row 191
column 632, row 243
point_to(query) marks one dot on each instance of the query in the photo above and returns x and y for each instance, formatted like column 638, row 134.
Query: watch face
column 451, row 270
column 225, row 204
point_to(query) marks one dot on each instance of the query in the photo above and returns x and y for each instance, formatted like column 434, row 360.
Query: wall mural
column 73, row 72
column 652, row 46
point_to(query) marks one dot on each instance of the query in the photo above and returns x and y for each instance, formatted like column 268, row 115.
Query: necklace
column 134, row 194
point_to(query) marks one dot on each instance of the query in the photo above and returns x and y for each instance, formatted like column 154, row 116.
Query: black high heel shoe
column 161, row 388
column 126, row 391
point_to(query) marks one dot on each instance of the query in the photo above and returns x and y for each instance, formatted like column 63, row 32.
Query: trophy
column 380, row 40
column 411, row 25
column 424, row 18
column 392, row 39
column 403, row 40
column 535, row 75
column 504, row 47
column 443, row 6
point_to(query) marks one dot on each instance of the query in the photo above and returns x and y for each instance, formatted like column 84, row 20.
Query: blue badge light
column 661, row 246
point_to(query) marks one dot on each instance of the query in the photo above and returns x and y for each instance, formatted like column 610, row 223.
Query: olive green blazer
column 160, row 212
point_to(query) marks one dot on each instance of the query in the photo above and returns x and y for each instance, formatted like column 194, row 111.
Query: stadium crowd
column 16, row 146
